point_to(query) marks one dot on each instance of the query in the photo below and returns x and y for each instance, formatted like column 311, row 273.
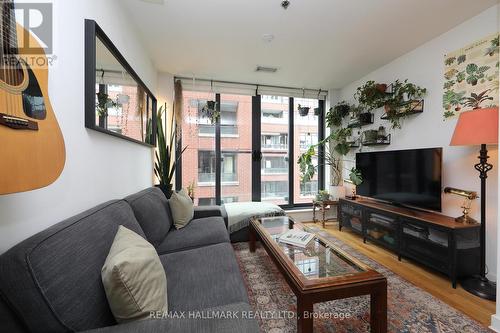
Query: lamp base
column 466, row 220
column 481, row 287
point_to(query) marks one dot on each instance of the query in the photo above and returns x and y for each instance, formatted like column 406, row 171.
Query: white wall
column 424, row 67
column 98, row 167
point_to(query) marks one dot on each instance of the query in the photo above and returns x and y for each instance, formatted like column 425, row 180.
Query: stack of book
column 296, row 237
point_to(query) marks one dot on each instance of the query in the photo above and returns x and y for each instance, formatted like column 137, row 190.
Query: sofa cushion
column 52, row 280
column 199, row 232
column 133, row 278
column 151, row 210
column 204, row 277
column 182, row 208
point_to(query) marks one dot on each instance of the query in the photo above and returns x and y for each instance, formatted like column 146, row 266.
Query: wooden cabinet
column 431, row 239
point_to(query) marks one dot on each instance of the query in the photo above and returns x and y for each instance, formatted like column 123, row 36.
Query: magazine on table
column 296, row 237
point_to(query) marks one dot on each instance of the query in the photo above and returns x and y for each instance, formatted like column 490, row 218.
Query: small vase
column 337, row 192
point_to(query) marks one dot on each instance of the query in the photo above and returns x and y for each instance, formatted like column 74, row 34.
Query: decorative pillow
column 133, row 278
column 182, row 208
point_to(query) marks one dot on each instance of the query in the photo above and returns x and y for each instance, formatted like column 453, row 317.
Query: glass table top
column 318, row 259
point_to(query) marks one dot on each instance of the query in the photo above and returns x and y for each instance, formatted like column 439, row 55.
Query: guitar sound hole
column 11, row 72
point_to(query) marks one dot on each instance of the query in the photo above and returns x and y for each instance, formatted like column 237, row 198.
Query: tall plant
column 167, row 158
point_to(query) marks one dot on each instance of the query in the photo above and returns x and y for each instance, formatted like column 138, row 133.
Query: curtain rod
column 249, row 84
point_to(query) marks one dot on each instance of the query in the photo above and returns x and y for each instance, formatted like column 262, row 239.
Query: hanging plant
column 371, row 95
column 317, row 111
column 303, row 110
column 210, row 111
column 336, row 114
column 104, row 103
column 405, row 97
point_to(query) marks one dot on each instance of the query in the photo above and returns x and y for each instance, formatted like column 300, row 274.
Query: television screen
column 404, row 177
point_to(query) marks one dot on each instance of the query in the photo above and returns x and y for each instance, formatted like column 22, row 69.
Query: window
column 274, row 165
column 206, row 167
column 309, row 189
column 274, row 189
column 284, row 135
column 307, row 139
column 277, row 141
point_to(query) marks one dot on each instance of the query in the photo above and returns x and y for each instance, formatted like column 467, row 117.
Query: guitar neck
column 8, row 28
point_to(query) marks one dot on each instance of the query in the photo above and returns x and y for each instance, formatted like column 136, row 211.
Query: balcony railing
column 210, row 177
column 273, row 171
column 209, row 130
column 273, row 195
column 276, row 146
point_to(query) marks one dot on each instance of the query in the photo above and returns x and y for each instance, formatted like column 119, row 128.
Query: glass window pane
column 198, row 134
column 274, row 146
column 236, row 148
column 306, row 134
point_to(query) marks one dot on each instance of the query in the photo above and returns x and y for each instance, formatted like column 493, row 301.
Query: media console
column 434, row 240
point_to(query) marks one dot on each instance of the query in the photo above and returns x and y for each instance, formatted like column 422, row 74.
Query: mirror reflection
column 122, row 106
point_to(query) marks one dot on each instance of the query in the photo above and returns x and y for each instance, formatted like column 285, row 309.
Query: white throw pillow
column 182, row 208
column 133, row 278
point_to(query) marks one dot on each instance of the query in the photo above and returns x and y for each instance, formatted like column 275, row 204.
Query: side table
column 324, row 206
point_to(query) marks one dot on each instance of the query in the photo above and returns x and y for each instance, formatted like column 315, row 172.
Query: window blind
column 223, row 87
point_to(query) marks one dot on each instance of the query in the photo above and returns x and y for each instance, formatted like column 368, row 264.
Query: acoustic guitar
column 32, row 152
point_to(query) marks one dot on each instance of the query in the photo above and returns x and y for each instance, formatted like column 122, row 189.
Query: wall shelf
column 417, row 107
column 362, row 120
column 379, row 142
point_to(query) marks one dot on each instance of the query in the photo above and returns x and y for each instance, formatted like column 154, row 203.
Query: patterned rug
column 410, row 309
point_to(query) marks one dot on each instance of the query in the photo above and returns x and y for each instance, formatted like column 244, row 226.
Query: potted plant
column 190, row 190
column 303, row 110
column 335, row 147
column 405, row 98
column 371, row 95
column 322, row 196
column 210, row 111
column 167, row 158
column 336, row 114
column 102, row 106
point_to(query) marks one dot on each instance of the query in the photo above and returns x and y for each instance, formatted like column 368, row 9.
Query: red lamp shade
column 476, row 127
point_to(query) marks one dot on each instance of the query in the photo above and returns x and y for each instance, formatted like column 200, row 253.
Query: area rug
column 410, row 309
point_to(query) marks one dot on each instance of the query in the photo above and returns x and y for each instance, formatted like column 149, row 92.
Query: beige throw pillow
column 182, row 208
column 133, row 278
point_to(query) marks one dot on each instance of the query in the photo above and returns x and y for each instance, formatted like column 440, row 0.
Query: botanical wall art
column 471, row 77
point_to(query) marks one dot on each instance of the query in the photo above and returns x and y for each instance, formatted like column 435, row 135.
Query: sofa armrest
column 207, row 211
column 210, row 211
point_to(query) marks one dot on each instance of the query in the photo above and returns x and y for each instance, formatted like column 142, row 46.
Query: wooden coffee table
column 320, row 272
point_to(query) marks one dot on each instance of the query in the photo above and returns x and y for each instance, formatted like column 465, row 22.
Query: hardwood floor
column 435, row 283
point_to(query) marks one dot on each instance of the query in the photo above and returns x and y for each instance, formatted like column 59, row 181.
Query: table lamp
column 479, row 127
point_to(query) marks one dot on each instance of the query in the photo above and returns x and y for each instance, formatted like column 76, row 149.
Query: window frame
column 257, row 153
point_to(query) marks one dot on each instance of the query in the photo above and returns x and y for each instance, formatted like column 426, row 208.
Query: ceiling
column 318, row 43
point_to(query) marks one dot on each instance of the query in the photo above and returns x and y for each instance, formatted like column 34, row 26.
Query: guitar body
column 32, row 152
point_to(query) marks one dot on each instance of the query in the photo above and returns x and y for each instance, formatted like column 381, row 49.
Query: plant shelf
column 357, row 123
column 379, row 142
column 417, row 108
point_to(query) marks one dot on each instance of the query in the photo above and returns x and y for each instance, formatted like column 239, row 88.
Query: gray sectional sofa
column 51, row 282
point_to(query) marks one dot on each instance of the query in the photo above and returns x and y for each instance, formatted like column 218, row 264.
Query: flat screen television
column 403, row 177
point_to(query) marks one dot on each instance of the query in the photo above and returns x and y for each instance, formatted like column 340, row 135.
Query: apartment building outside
column 199, row 159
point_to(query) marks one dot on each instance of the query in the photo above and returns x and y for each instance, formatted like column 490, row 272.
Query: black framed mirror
column 117, row 102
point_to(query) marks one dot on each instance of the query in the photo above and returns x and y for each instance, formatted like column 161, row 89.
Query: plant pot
column 166, row 189
column 382, row 87
column 365, row 118
column 317, row 111
column 337, row 192
column 211, row 105
column 370, row 135
column 304, row 111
